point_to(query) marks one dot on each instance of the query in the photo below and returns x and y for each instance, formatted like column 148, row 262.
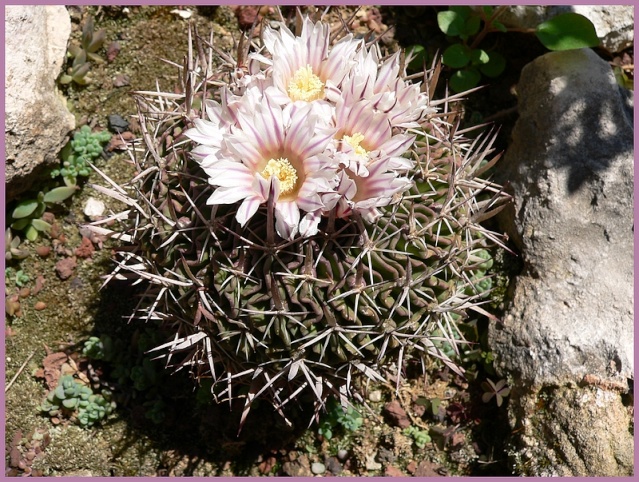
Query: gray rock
column 570, row 167
column 614, row 23
column 36, row 118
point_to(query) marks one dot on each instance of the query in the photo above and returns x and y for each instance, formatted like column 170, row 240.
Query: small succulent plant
column 12, row 246
column 85, row 147
column 420, row 437
column 338, row 418
column 82, row 54
column 27, row 214
column 77, row 402
column 295, row 236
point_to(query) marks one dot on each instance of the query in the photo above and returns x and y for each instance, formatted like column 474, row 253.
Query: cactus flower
column 306, row 68
column 271, row 151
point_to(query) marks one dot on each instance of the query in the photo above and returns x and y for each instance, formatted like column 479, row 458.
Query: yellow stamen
column 284, row 171
column 354, row 141
column 305, row 85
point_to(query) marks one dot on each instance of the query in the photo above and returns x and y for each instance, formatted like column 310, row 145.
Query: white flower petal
column 228, row 195
column 309, row 224
column 248, row 208
column 287, row 218
column 226, row 173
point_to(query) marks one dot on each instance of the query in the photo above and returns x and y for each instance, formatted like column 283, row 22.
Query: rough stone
column 614, row 24
column 299, row 467
column 396, row 415
column 575, row 431
column 36, row 118
column 570, row 168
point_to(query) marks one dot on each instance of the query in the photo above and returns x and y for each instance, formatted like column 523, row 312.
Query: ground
column 162, row 425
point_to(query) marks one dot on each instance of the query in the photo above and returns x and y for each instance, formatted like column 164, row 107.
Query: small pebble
column 43, row 251
column 121, row 80
column 40, row 305
column 371, row 464
column 318, row 468
column 342, row 454
column 94, row 208
column 375, row 396
column 333, row 466
column 117, row 123
column 24, row 292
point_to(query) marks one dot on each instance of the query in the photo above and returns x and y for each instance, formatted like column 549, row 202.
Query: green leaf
column 499, row 26
column 450, row 22
column 463, row 11
column 24, row 208
column 567, row 31
column 59, row 194
column 456, row 56
column 79, row 59
column 70, row 181
column 479, row 56
column 80, row 70
column 87, row 32
column 495, row 66
column 96, row 41
column 65, row 79
column 70, row 403
column 466, row 79
column 59, row 392
column 471, row 27
column 41, row 225
column 20, row 224
column 74, row 50
column 488, row 10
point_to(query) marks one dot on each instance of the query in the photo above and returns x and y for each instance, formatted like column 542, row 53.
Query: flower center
column 354, row 142
column 305, row 85
column 282, row 170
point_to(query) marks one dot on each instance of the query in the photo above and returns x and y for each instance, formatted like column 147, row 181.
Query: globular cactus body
column 272, row 315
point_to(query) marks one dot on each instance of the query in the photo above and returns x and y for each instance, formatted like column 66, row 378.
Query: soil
column 167, row 427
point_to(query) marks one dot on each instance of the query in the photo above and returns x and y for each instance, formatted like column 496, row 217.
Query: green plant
column 466, row 57
column 480, row 282
column 21, row 278
column 27, row 214
column 77, row 402
column 471, row 25
column 338, row 417
column 132, row 371
column 83, row 148
column 420, row 437
column 432, row 405
column 90, row 43
column 75, row 156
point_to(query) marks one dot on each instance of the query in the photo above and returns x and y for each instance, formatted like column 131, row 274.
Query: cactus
column 269, row 309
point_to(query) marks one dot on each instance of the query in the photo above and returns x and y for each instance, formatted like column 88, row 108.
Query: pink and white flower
column 365, row 134
column 364, row 194
column 307, row 68
column 402, row 102
column 283, row 152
